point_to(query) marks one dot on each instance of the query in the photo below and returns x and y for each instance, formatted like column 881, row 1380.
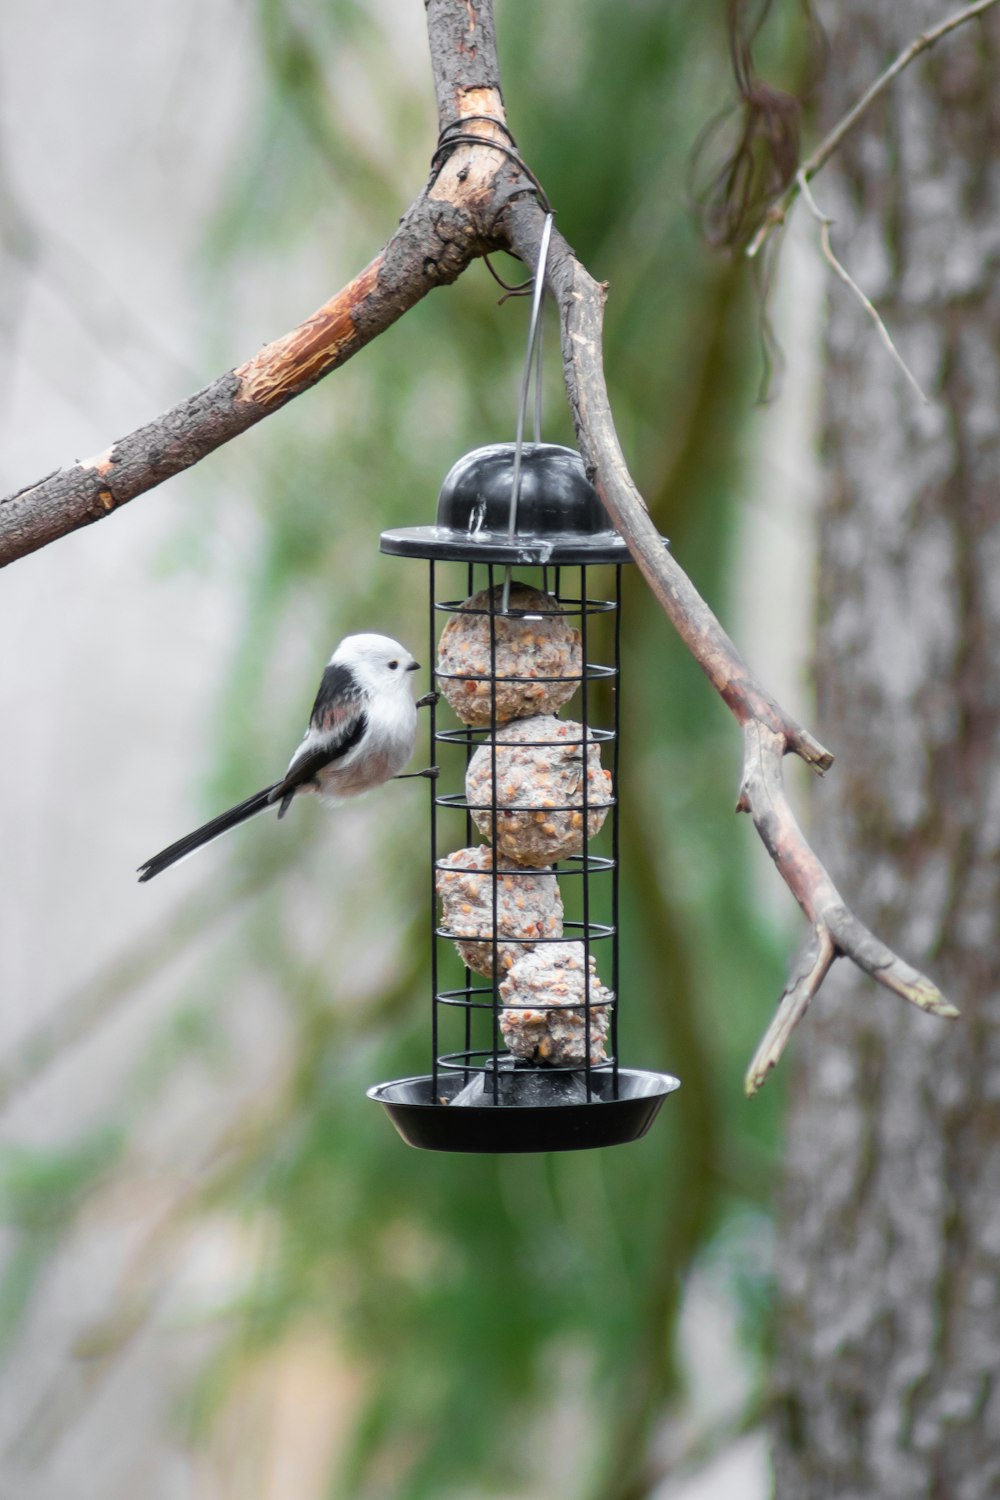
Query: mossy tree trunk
column 888, row 1367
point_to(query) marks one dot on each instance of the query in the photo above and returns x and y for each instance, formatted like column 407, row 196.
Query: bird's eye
column 393, row 666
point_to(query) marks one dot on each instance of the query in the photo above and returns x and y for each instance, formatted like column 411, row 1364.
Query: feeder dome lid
column 559, row 516
column 555, row 495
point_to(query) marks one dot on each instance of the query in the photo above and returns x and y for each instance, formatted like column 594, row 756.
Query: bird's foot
column 429, row 700
column 431, row 773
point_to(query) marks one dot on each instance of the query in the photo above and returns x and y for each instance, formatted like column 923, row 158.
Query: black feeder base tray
column 536, row 1110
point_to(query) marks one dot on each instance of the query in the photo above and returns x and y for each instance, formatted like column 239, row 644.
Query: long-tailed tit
column 361, row 732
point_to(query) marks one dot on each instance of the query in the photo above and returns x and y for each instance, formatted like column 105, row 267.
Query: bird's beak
column 413, row 667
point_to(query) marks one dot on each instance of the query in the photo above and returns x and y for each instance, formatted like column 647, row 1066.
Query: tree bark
column 888, row 1365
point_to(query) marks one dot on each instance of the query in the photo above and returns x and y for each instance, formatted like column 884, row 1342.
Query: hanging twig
column 778, row 211
column 848, row 280
column 479, row 199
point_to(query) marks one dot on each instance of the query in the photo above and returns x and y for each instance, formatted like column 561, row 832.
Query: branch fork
column 479, row 199
column 835, row 931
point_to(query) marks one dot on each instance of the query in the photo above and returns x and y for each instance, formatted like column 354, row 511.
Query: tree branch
column 433, row 244
column 479, row 199
column 831, row 142
column 442, row 232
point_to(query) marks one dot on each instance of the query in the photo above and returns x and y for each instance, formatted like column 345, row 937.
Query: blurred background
column 223, row 1276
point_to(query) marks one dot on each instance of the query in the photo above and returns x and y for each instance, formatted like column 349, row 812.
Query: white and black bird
column 361, row 732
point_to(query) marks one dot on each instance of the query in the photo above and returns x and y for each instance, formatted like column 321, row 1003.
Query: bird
column 361, row 733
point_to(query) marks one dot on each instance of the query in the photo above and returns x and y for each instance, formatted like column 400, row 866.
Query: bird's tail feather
column 204, row 835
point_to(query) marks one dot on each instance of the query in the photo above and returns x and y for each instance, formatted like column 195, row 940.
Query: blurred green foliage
column 40, row 1191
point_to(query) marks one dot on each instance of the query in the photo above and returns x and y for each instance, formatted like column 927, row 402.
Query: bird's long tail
column 209, row 831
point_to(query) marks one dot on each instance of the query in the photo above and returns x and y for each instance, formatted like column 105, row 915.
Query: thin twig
column 778, row 211
column 848, row 280
column 808, row 972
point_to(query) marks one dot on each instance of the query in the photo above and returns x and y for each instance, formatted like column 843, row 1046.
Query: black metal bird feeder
column 525, row 967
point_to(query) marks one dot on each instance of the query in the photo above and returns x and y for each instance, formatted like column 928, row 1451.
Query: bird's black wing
column 312, row 758
column 338, row 700
column 336, row 724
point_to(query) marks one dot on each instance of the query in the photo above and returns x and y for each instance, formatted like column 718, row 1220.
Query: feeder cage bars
column 525, row 966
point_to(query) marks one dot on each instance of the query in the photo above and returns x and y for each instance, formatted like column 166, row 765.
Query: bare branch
column 778, row 211
column 442, row 232
column 433, row 244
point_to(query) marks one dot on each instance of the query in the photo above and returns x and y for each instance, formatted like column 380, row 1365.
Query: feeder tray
column 537, row 1110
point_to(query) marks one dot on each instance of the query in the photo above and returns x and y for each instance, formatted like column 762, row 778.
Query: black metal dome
column 559, row 516
column 555, row 495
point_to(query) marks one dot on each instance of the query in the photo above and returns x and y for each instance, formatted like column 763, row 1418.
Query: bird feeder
column 525, row 926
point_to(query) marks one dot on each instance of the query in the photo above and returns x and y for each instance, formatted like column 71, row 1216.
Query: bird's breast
column 382, row 753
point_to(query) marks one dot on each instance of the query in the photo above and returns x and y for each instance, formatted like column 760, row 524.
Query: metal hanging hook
column 534, row 341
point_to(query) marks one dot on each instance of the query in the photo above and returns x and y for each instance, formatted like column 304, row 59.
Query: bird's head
column 379, row 663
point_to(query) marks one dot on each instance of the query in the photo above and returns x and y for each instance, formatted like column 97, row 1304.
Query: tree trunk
column 888, row 1365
